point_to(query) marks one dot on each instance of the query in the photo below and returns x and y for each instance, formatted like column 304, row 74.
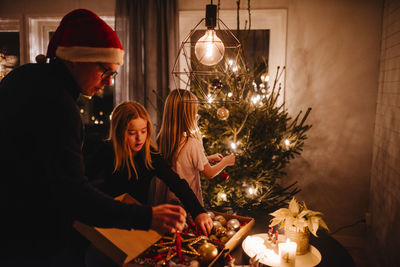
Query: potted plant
column 298, row 221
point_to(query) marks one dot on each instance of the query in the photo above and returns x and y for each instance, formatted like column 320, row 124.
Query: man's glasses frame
column 107, row 72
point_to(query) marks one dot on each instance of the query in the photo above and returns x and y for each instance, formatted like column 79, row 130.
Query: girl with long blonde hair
column 129, row 161
column 180, row 143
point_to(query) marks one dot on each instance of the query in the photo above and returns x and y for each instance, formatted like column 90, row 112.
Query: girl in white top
column 180, row 144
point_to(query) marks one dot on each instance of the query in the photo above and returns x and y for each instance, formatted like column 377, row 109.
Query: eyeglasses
column 107, row 72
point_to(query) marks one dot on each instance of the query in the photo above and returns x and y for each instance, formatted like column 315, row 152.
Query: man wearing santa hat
column 43, row 188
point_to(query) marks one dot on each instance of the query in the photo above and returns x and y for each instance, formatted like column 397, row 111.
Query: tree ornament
column 207, row 252
column 223, row 113
column 230, row 233
column 220, row 231
column 233, row 224
column 216, row 224
column 225, row 175
column 221, row 219
column 171, row 248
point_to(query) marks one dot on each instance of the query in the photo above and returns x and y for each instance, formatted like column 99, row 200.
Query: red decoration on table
column 270, row 233
column 178, row 246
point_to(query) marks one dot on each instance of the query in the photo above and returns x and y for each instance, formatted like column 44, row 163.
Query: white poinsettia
column 297, row 215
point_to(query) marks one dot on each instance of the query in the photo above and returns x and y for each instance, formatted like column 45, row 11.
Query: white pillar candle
column 287, row 253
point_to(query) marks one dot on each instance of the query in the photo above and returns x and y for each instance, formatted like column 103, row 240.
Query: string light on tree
column 210, row 99
column 252, row 191
column 233, row 146
column 287, row 143
column 223, row 196
column 264, row 78
column 256, row 99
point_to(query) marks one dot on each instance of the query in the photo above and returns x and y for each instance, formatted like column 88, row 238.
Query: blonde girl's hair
column 120, row 118
column 179, row 122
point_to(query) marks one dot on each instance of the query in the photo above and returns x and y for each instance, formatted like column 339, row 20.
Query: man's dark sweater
column 43, row 188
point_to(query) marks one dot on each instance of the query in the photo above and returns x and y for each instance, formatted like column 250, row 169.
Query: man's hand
column 204, row 222
column 168, row 218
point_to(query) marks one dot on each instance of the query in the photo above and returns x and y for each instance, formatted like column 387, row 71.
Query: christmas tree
column 263, row 137
column 242, row 112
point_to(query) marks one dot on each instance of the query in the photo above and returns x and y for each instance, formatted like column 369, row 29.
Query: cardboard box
column 122, row 246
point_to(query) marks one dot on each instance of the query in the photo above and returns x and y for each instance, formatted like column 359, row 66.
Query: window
column 9, row 45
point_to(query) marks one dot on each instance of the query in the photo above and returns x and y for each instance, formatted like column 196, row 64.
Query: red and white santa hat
column 82, row 36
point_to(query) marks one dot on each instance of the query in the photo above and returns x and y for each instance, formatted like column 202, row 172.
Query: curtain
column 148, row 30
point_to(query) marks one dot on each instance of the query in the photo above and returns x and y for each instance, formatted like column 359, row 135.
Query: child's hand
column 204, row 222
column 229, row 160
column 215, row 158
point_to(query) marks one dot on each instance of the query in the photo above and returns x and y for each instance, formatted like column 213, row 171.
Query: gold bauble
column 213, row 237
column 216, row 224
column 233, row 224
column 223, row 113
column 207, row 252
column 220, row 219
column 219, row 231
column 230, row 233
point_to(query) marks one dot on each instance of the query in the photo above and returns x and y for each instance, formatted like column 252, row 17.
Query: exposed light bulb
column 230, row 94
column 209, row 49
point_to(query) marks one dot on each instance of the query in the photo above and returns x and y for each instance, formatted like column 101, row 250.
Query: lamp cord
column 347, row 226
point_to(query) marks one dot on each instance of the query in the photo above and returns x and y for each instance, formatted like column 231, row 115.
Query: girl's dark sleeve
column 178, row 186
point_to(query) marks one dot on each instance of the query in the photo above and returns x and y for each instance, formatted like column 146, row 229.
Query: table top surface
column 333, row 253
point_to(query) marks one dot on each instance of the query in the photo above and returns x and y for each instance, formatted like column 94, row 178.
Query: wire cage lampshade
column 210, row 62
